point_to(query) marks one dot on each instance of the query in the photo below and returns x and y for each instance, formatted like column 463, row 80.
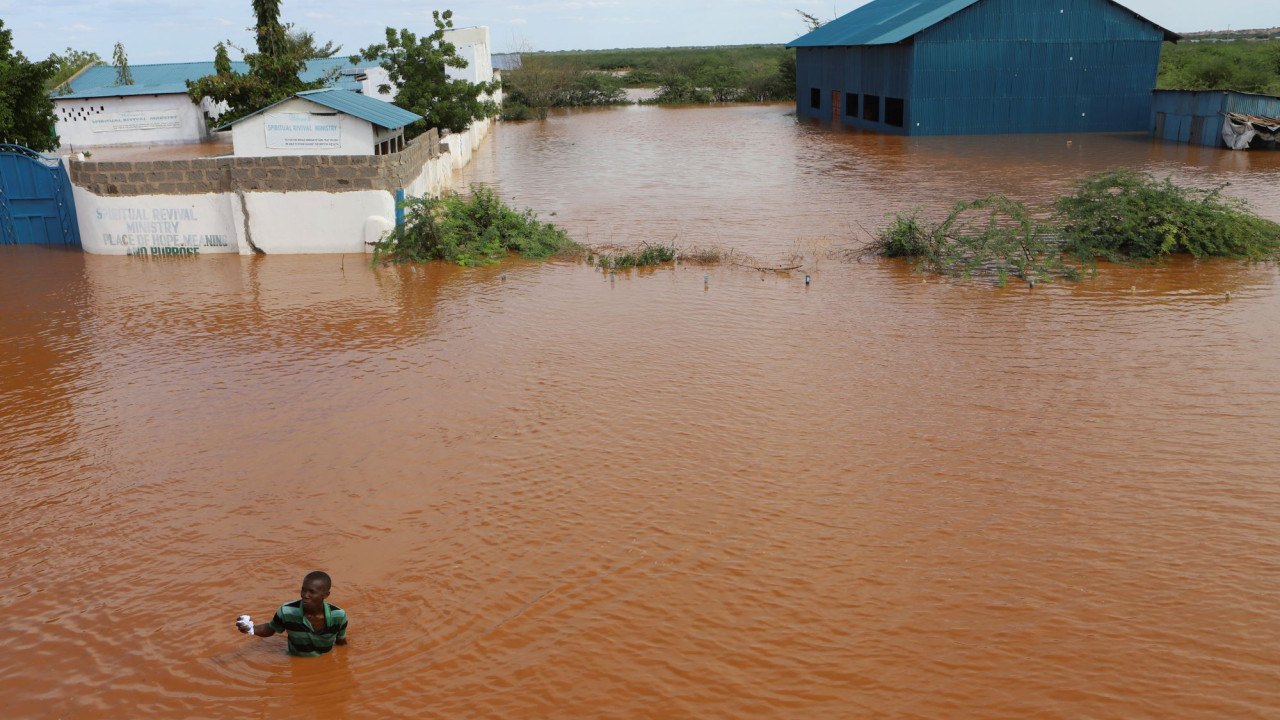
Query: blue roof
column 171, row 78
column 886, row 22
column 382, row 114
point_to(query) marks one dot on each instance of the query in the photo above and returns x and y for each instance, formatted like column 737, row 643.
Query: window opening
column 895, row 111
column 871, row 108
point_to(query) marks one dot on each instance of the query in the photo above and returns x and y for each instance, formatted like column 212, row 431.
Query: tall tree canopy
column 69, row 63
column 26, row 110
column 273, row 70
column 418, row 67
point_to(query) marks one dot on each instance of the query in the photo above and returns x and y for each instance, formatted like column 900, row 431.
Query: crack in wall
column 248, row 233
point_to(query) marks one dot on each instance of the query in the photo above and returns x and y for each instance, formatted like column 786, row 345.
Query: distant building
column 960, row 67
column 507, row 62
column 322, row 122
column 93, row 110
column 1201, row 117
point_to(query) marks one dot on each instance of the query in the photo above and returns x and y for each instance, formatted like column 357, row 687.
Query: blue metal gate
column 36, row 206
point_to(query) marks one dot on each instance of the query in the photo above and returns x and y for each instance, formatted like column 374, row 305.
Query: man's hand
column 244, row 624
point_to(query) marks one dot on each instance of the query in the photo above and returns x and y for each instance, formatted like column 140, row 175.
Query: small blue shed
column 970, row 67
column 1196, row 116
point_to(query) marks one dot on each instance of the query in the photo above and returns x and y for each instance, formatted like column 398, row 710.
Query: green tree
column 273, row 70
column 68, row 64
column 303, row 43
column 724, row 82
column 418, row 68
column 124, row 76
column 221, row 60
column 271, row 35
column 26, row 110
column 538, row 85
column 813, row 22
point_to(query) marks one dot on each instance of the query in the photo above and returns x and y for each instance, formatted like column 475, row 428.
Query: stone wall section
column 324, row 173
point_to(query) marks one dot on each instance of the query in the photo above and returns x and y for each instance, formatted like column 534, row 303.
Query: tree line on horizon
column 755, row 73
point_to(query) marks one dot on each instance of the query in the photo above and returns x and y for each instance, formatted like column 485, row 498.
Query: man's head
column 315, row 588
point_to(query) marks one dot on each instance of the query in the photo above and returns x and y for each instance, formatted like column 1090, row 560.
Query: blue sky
column 186, row 30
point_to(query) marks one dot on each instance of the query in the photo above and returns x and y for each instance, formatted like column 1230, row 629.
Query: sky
column 157, row 31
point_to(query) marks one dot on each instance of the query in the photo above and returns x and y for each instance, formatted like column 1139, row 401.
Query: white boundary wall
column 275, row 223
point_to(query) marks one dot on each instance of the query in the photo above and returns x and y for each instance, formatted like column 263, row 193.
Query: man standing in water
column 314, row 626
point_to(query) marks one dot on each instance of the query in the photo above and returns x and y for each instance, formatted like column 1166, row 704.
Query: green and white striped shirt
column 304, row 640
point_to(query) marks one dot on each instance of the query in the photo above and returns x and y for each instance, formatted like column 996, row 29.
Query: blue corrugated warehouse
column 968, row 67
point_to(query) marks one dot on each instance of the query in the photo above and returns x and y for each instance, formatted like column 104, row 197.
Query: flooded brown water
column 557, row 494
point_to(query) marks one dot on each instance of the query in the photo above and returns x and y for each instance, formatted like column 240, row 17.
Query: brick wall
column 327, row 173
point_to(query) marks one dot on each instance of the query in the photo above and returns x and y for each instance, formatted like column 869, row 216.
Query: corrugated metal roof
column 382, row 114
column 171, row 78
column 885, row 22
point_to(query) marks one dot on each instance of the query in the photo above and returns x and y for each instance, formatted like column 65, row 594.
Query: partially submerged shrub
column 1128, row 215
column 708, row 255
column 478, row 230
column 994, row 235
column 645, row 256
column 1116, row 215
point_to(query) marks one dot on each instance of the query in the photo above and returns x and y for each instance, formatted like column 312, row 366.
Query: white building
column 322, row 122
column 94, row 110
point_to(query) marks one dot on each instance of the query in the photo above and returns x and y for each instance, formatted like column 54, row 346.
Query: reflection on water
column 556, row 494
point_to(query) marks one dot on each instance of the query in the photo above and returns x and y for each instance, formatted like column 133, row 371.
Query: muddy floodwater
column 681, row 492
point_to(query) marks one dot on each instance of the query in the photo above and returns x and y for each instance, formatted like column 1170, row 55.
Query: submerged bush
column 1117, row 215
column 478, row 230
column 1128, row 215
column 994, row 235
column 647, row 256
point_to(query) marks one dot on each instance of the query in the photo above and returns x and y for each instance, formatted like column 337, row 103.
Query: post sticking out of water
column 806, row 280
column 1031, row 283
column 1228, row 296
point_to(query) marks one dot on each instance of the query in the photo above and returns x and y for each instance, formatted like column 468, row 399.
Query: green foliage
column 760, row 73
column 68, row 64
column 994, row 235
column 273, row 70
column 1244, row 65
column 418, row 69
column 221, row 60
column 304, row 43
column 906, row 236
column 541, row 83
column 679, row 89
column 724, row 83
column 646, row 256
column 1128, row 215
column 26, row 110
column 269, row 33
column 479, row 230
column 595, row 88
column 124, row 76
column 1118, row 215
column 811, row 22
